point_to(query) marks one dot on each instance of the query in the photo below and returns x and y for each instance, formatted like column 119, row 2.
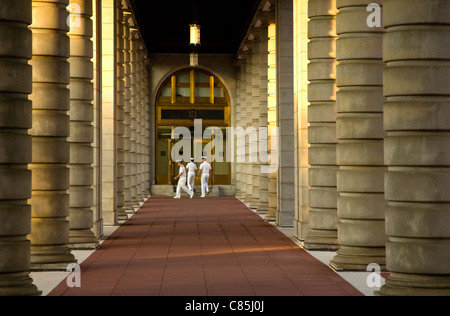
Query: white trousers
column 205, row 187
column 191, row 181
column 182, row 185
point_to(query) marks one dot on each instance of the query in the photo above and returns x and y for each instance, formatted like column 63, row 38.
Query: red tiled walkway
column 202, row 247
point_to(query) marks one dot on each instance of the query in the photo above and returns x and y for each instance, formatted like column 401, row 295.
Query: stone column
column 301, row 107
column 97, row 165
column 15, row 144
column 255, row 167
column 360, row 180
column 127, row 123
column 51, row 128
column 144, row 125
column 322, row 130
column 236, row 123
column 139, row 122
column 272, row 120
column 241, row 175
column 263, row 69
column 416, row 113
column 81, row 129
column 285, row 114
column 120, row 87
column 109, row 114
column 247, row 123
column 134, row 124
column 146, row 108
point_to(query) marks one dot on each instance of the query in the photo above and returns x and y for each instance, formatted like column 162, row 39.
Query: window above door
column 192, row 94
column 193, row 87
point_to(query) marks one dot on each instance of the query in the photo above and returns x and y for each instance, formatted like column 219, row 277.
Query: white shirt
column 182, row 171
column 191, row 167
column 205, row 168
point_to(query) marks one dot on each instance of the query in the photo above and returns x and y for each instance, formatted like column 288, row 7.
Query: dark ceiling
column 164, row 24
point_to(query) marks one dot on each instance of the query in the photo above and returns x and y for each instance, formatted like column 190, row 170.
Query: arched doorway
column 184, row 97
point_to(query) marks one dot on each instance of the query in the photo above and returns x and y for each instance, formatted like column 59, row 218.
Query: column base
column 301, row 231
column 136, row 204
column 122, row 214
column 358, row 258
column 271, row 215
column 51, row 258
column 262, row 209
column 18, row 284
column 129, row 209
column 83, row 240
column 399, row 284
column 254, row 204
column 322, row 240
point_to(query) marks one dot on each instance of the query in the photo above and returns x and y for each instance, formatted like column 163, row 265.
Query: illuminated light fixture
column 195, row 43
column 195, row 34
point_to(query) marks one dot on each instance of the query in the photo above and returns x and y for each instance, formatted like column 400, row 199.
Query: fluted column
column 416, row 113
column 51, row 128
column 360, row 180
column 81, row 129
column 322, row 130
column 15, row 142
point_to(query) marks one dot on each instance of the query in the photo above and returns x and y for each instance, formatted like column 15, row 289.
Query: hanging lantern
column 195, row 34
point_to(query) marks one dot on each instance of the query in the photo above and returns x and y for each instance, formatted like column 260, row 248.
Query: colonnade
column 371, row 178
column 252, row 112
column 57, row 120
column 361, row 160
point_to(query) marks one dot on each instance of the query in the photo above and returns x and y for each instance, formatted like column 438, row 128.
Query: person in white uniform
column 182, row 182
column 205, row 172
column 191, row 168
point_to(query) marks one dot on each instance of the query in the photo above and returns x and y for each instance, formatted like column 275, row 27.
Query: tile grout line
column 134, row 255
column 174, row 224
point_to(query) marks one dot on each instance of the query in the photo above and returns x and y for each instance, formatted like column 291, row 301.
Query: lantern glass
column 195, row 34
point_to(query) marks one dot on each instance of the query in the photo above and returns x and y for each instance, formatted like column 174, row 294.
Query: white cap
column 192, row 159
column 179, row 161
column 204, row 157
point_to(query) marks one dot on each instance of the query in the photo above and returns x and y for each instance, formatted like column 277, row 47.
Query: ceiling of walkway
column 164, row 24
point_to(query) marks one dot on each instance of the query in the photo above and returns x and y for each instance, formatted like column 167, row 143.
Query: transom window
column 192, row 94
column 193, row 87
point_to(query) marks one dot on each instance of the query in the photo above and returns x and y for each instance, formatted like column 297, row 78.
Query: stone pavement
column 202, row 247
